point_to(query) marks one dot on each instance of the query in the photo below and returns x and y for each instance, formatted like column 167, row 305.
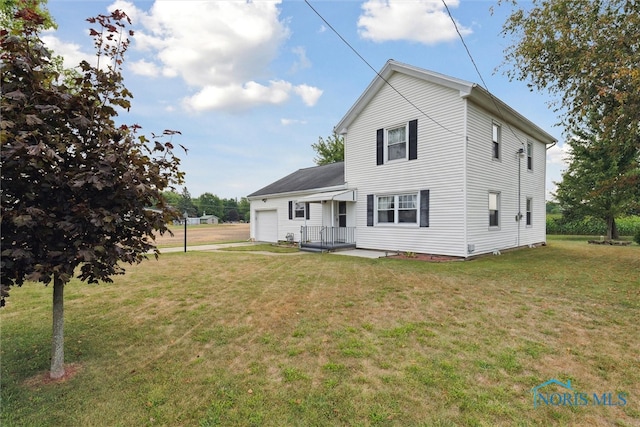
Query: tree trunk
column 612, row 229
column 57, row 342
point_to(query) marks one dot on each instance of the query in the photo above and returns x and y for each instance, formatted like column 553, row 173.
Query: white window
column 494, row 209
column 496, row 138
column 398, row 209
column 397, row 143
column 529, row 156
column 386, row 209
column 529, row 210
column 299, row 210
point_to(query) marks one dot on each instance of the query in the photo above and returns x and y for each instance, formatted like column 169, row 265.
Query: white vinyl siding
column 485, row 175
column 285, row 225
column 438, row 167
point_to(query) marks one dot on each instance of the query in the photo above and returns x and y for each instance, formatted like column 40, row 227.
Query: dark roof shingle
column 323, row 176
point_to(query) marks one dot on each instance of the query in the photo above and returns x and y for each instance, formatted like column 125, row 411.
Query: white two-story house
column 433, row 164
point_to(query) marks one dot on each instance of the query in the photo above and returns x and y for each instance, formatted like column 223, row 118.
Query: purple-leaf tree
column 81, row 195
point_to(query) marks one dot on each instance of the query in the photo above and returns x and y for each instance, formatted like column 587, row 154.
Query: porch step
column 312, row 249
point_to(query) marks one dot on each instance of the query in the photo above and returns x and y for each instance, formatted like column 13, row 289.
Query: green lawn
column 239, row 339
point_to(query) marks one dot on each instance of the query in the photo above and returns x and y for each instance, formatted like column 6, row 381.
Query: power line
column 377, row 73
column 493, row 99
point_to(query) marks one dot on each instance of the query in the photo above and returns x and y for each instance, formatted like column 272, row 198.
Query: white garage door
column 267, row 226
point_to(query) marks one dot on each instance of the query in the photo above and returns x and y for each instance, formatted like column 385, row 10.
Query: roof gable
column 466, row 89
column 383, row 77
column 324, row 176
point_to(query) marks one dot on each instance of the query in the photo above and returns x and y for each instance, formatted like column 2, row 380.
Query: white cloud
column 423, row 21
column 145, row 68
column 558, row 154
column 309, row 94
column 302, row 62
column 287, row 122
column 223, row 49
column 71, row 52
column 235, row 97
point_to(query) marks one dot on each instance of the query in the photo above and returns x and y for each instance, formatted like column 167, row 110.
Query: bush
column 591, row 226
column 636, row 238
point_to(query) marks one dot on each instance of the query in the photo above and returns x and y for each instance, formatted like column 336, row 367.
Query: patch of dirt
column 425, row 257
column 205, row 234
column 43, row 378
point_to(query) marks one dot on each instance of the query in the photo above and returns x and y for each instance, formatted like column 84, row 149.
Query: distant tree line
column 227, row 210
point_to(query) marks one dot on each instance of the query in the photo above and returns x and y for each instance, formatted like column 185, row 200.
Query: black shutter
column 413, row 139
column 290, row 209
column 369, row 210
column 379, row 146
column 306, row 210
column 424, row 208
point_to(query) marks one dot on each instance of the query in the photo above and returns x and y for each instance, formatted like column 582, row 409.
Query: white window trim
column 499, row 158
column 498, row 193
column 529, row 144
column 395, row 209
column 530, row 200
column 406, row 143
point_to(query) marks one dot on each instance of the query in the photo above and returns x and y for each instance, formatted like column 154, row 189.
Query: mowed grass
column 238, row 339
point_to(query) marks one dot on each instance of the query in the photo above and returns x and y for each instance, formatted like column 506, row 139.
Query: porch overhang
column 340, row 195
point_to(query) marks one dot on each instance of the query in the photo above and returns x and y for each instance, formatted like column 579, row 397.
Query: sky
column 251, row 85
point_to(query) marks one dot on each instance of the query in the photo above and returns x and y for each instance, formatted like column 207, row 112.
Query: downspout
column 519, row 155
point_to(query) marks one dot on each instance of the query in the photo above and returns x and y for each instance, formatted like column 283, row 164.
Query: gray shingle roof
column 324, row 176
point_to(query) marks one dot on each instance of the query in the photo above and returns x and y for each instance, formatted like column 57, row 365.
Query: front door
column 342, row 214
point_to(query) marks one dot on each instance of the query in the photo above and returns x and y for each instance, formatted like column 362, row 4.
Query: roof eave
column 297, row 192
column 486, row 100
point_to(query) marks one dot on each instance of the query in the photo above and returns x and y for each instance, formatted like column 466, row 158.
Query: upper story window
column 397, row 143
column 398, row 209
column 529, row 156
column 496, row 138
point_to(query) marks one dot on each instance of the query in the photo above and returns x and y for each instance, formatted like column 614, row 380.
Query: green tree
column 553, row 208
column 587, row 54
column 75, row 186
column 211, row 204
column 244, row 209
column 590, row 185
column 171, row 197
column 185, row 204
column 329, row 151
column 230, row 206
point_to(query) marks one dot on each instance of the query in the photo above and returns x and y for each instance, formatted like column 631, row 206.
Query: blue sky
column 251, row 85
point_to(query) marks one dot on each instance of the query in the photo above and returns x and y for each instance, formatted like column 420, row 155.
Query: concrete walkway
column 362, row 253
column 214, row 247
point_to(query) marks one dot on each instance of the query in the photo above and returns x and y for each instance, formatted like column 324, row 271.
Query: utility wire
column 495, row 102
column 377, row 73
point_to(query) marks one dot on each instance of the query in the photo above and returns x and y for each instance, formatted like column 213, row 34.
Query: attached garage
column 266, row 226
